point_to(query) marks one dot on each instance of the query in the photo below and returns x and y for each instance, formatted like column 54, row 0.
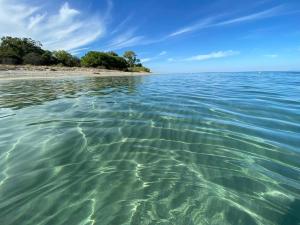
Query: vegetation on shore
column 25, row 51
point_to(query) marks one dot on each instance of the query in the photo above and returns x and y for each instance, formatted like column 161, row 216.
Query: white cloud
column 66, row 29
column 163, row 53
column 125, row 40
column 35, row 20
column 213, row 55
column 214, row 21
column 271, row 55
column 78, row 50
column 146, row 60
column 197, row 26
column 121, row 25
column 170, row 60
column 255, row 16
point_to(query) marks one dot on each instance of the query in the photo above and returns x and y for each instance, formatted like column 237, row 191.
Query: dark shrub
column 33, row 59
column 139, row 69
column 12, row 50
column 112, row 53
column 66, row 59
column 9, row 56
column 48, row 58
column 104, row 60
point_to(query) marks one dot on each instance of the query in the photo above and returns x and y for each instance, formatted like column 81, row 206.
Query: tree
column 130, row 57
column 48, row 58
column 112, row 53
column 103, row 60
column 14, row 49
column 139, row 69
column 33, row 58
column 27, row 51
column 66, row 59
column 9, row 56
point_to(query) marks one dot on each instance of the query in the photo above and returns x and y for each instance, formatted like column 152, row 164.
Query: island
column 25, row 58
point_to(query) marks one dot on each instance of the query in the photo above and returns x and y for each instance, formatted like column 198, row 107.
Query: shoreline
column 28, row 72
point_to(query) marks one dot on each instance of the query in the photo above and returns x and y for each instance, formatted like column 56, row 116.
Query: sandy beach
column 24, row 72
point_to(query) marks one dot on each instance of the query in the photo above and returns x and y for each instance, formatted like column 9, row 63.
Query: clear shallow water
column 162, row 149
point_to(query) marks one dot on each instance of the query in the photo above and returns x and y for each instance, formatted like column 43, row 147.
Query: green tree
column 66, row 59
column 48, row 58
column 27, row 51
column 33, row 58
column 103, row 60
column 9, row 56
column 139, row 69
column 14, row 49
column 130, row 57
column 112, row 53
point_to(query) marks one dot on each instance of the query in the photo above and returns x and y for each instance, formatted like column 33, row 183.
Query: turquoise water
column 184, row 149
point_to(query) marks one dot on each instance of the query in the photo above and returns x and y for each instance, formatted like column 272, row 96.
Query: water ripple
column 162, row 149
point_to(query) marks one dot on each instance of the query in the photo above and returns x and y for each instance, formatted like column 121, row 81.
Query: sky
column 167, row 35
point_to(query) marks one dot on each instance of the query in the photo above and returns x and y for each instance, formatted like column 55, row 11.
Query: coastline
column 28, row 72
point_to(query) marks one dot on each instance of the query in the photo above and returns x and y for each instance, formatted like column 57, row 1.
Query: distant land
column 24, row 56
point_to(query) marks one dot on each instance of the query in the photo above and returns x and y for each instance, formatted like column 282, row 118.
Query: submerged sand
column 12, row 72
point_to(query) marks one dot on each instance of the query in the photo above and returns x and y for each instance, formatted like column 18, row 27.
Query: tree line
column 25, row 51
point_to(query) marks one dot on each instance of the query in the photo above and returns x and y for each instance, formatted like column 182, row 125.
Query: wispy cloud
column 125, row 40
column 145, row 60
column 275, row 11
column 271, row 55
column 159, row 55
column 78, row 50
column 201, row 57
column 215, row 21
column 67, row 28
column 197, row 26
column 163, row 53
column 121, row 25
column 213, row 55
column 130, row 38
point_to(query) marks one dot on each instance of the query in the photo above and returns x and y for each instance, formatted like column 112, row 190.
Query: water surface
column 183, row 149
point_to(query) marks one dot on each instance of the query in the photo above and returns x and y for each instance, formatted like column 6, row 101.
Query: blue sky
column 168, row 35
